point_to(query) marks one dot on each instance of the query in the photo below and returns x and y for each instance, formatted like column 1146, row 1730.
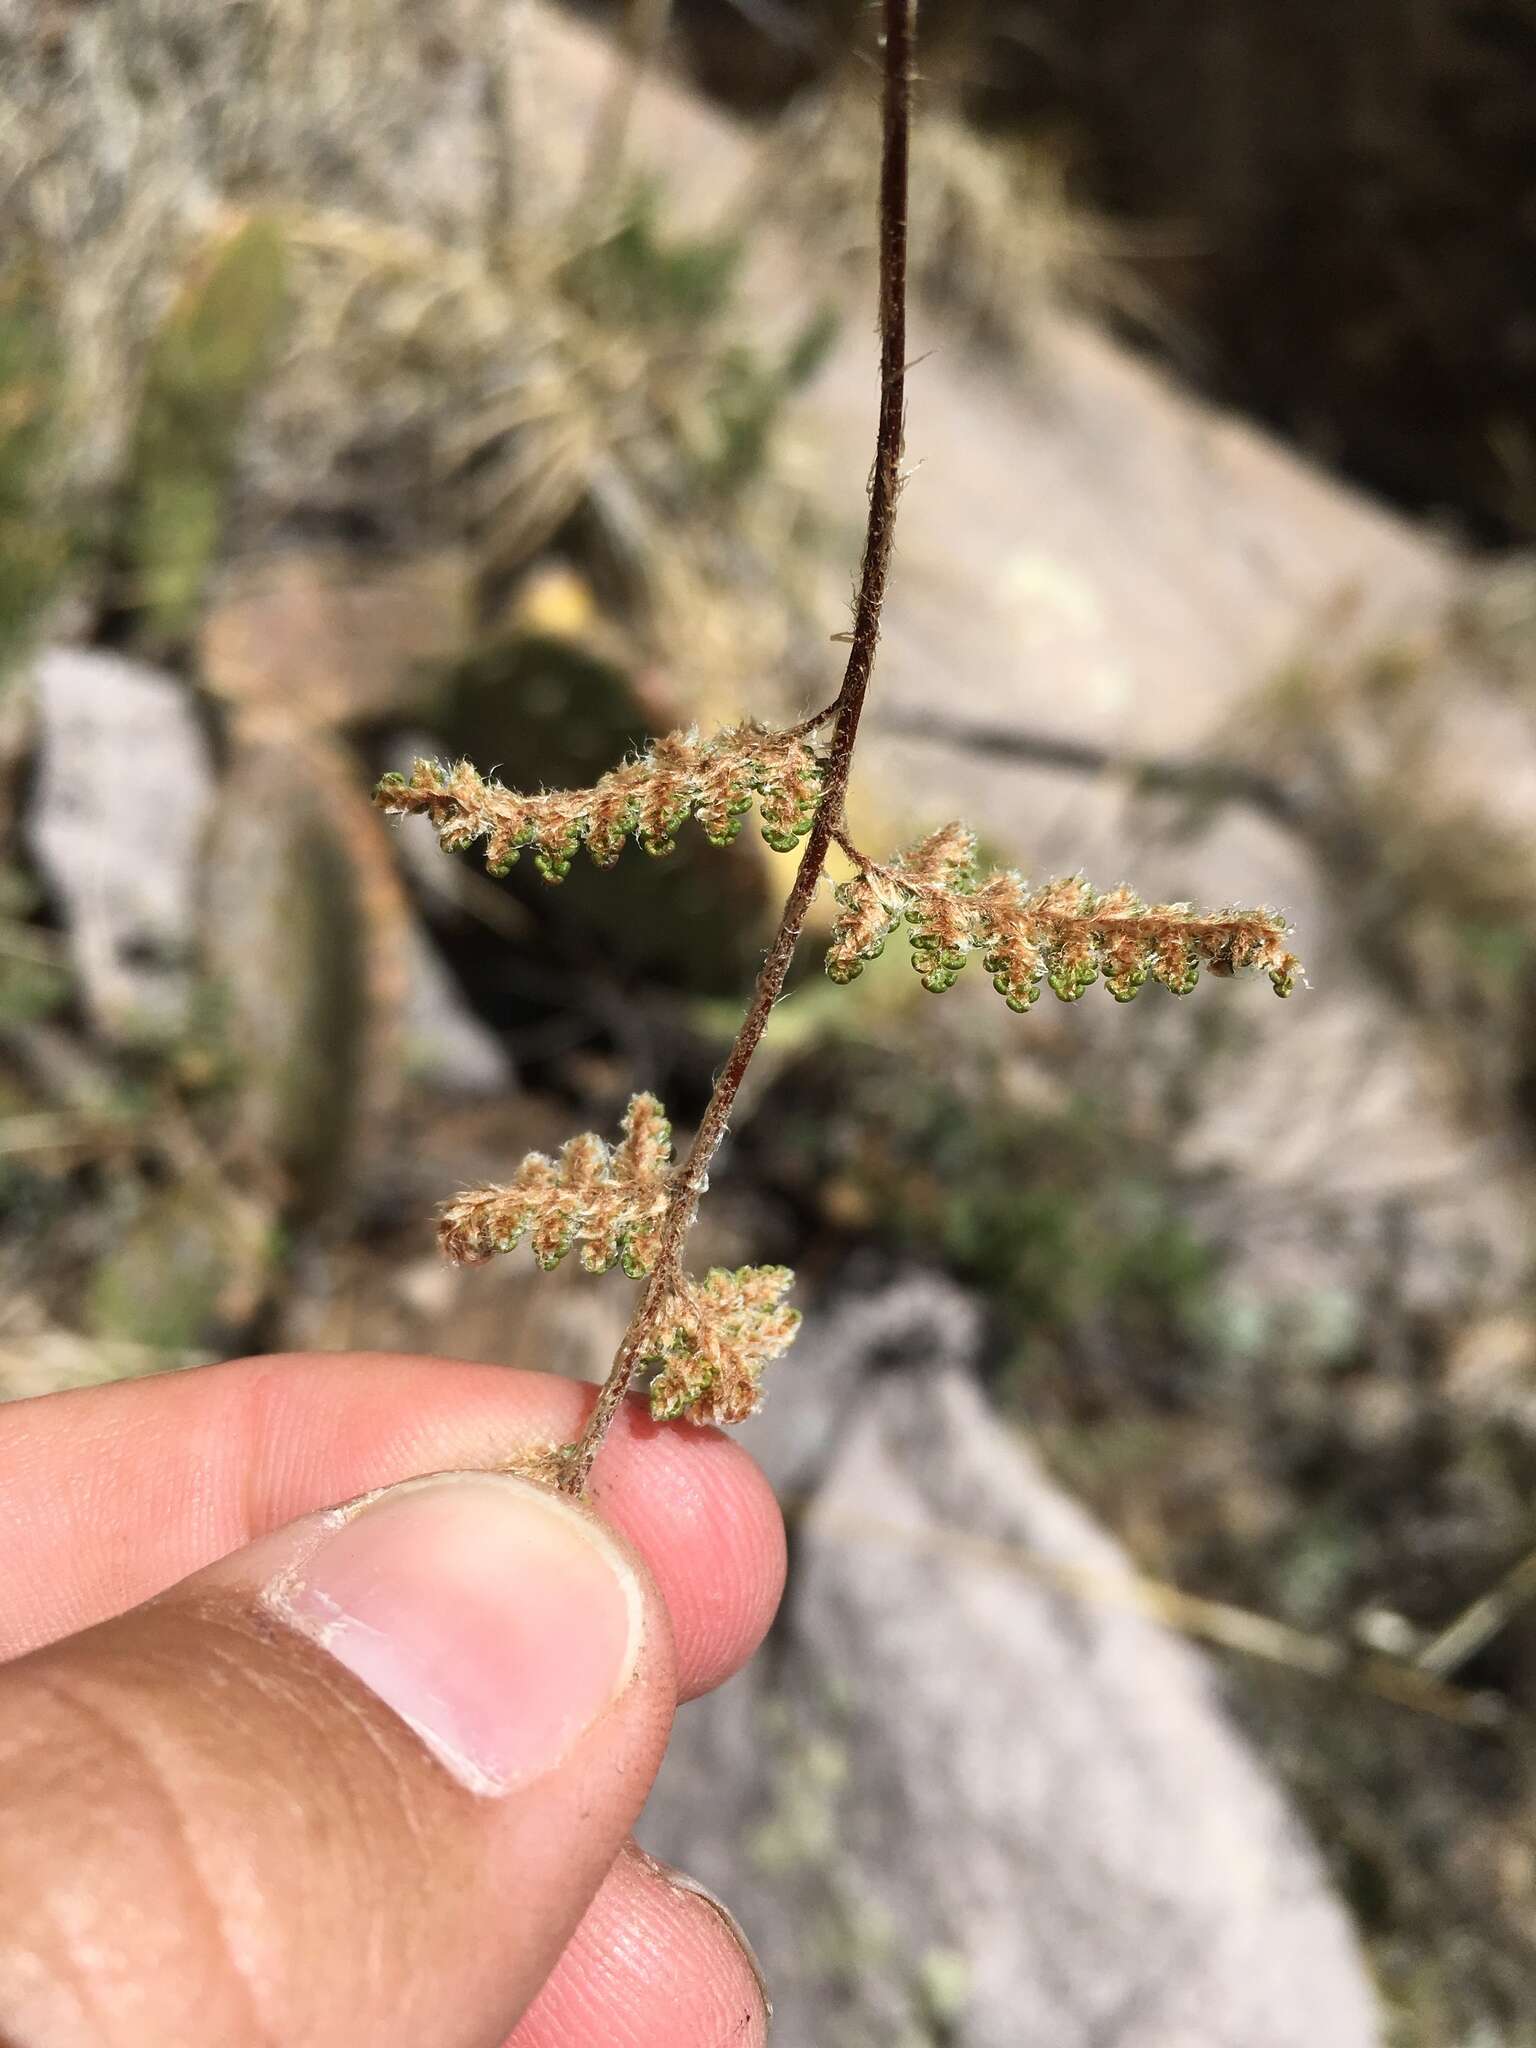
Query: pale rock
column 959, row 1799
column 122, row 803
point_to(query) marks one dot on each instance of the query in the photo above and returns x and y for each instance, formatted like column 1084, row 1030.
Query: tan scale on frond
column 609, row 1201
column 713, row 1338
column 1064, row 935
column 650, row 798
column 708, row 1340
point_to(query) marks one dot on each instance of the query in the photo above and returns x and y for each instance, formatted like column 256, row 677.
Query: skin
column 212, row 1831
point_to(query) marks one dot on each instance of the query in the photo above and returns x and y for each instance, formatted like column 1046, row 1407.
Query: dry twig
column 1239, row 1629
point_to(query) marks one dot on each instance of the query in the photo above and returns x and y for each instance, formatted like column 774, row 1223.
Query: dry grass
column 998, row 238
column 468, row 349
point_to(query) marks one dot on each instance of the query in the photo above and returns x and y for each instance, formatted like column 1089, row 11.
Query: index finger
column 111, row 1494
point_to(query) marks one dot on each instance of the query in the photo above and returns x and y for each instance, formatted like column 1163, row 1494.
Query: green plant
column 708, row 1341
column 678, row 295
column 34, row 545
column 205, row 364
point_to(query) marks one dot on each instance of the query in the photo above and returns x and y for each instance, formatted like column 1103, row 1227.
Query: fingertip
column 657, row 1962
column 694, row 1504
column 185, row 1467
column 700, row 1510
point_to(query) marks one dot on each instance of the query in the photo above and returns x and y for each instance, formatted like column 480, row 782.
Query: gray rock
column 955, row 1802
column 885, row 1321
column 123, row 798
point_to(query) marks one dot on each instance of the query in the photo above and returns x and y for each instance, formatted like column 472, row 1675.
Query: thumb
column 355, row 1783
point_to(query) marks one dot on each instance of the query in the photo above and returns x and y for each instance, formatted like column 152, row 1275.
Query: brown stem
column 827, row 825
column 815, row 721
column 860, row 860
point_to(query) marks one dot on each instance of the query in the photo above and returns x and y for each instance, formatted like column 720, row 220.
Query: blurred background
column 490, row 378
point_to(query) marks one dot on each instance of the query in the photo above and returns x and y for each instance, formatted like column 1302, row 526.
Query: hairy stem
column 827, row 826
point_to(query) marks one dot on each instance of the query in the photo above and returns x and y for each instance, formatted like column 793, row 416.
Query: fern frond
column 650, row 798
column 708, row 1339
column 1064, row 935
column 712, row 1339
column 609, row 1201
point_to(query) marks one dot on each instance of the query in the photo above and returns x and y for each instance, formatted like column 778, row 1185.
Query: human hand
column 276, row 1772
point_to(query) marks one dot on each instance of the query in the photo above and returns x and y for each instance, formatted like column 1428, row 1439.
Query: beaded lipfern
column 710, row 1338
column 1064, row 935
column 713, row 1338
column 648, row 799
column 705, row 1342
column 611, row 1202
